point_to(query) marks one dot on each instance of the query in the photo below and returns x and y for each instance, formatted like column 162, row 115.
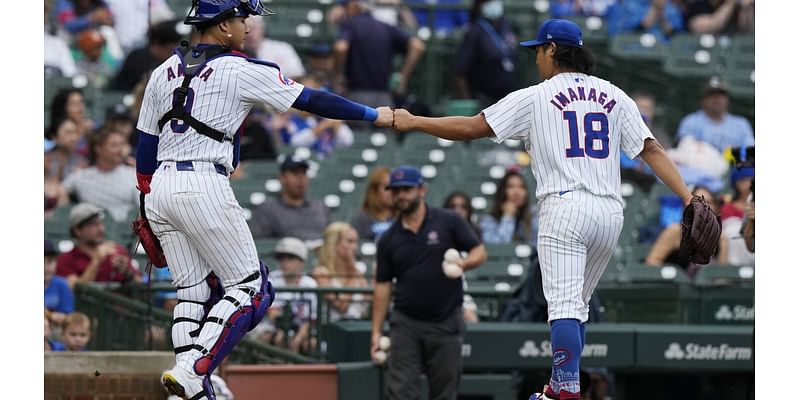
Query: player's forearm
column 655, row 156
column 451, row 128
column 380, row 305
column 333, row 106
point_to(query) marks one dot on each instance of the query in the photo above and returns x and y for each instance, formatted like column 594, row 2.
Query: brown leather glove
column 700, row 231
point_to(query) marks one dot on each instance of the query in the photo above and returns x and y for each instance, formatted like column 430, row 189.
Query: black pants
column 432, row 348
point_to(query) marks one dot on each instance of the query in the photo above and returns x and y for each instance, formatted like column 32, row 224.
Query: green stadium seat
column 465, row 107
column 638, row 273
column 713, row 275
column 693, row 56
column 637, row 46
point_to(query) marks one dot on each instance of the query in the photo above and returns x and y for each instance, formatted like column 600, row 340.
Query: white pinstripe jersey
column 224, row 91
column 573, row 126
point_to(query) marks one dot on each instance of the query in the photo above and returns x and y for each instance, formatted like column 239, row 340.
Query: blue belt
column 189, row 166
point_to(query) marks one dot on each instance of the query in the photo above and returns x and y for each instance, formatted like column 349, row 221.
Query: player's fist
column 385, row 117
column 402, row 120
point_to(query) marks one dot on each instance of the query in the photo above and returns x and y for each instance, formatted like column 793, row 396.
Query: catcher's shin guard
column 194, row 304
column 240, row 310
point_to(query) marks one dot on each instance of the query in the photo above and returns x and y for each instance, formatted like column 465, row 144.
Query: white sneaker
column 184, row 384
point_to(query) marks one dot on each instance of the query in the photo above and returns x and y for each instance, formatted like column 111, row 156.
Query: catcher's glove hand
column 700, row 231
column 150, row 242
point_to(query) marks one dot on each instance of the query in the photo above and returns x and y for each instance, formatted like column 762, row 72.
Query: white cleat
column 184, row 384
column 541, row 396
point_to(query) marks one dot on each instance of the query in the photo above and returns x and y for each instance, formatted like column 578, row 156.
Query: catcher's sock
column 566, row 341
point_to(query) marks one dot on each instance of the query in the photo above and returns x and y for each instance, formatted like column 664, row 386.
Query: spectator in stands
column 748, row 230
column 487, row 49
column 713, row 124
column 94, row 259
column 732, row 214
column 561, row 9
column 321, row 135
column 365, row 52
column 93, row 58
column 721, row 16
column 635, row 169
column 57, row 57
column 58, row 299
column 320, row 64
column 292, row 314
column 291, row 214
column 658, row 17
column 118, row 119
column 741, row 184
column 50, row 344
column 392, row 12
column 78, row 15
column 108, row 183
column 258, row 45
column 162, row 39
column 377, row 211
column 444, row 20
column 61, row 158
column 133, row 18
column 666, row 249
column 511, row 218
column 461, row 203
column 337, row 268
column 70, row 103
column 426, row 321
column 77, row 331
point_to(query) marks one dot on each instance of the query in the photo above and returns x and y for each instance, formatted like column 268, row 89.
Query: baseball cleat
column 185, row 385
column 541, row 396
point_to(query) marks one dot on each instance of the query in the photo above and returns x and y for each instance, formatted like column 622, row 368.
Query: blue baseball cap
column 559, row 31
column 405, row 176
column 741, row 173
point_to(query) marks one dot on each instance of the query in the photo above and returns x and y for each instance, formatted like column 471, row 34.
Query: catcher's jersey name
column 579, row 93
column 176, row 71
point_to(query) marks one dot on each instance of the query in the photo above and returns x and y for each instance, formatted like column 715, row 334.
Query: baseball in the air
column 384, row 343
column 380, row 357
column 452, row 270
column 452, row 256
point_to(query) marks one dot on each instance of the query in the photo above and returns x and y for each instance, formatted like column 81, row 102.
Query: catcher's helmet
column 210, row 12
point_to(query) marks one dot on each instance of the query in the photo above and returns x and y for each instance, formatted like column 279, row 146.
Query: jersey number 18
column 595, row 127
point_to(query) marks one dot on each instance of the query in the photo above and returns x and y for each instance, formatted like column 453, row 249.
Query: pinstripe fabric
column 200, row 224
column 577, row 236
column 528, row 115
column 222, row 100
column 563, row 123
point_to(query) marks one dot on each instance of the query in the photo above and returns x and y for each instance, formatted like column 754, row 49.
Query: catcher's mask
column 205, row 13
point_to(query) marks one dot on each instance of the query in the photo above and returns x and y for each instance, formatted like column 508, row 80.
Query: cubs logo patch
column 284, row 79
column 561, row 357
column 433, row 237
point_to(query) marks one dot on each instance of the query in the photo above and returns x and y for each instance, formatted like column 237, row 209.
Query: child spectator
column 77, row 331
column 58, row 299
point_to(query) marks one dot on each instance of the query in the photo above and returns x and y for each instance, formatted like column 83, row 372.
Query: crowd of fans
column 89, row 159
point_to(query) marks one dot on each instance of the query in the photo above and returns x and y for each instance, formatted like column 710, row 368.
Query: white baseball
column 452, row 270
column 452, row 256
column 380, row 357
column 384, row 343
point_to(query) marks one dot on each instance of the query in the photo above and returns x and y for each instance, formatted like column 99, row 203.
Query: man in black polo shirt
column 427, row 323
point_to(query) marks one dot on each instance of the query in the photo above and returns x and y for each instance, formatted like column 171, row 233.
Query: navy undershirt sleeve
column 329, row 105
column 146, row 161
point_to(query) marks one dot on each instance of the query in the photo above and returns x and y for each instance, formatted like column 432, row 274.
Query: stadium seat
column 637, row 46
column 713, row 275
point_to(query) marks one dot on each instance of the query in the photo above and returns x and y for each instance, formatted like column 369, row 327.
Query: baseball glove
column 150, row 242
column 700, row 231
column 148, row 239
